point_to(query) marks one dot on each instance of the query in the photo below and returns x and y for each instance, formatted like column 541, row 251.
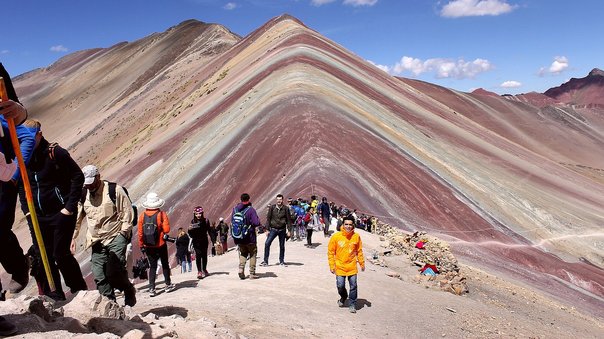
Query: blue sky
column 505, row 46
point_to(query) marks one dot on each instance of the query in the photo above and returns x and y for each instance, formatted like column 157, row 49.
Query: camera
column 169, row 238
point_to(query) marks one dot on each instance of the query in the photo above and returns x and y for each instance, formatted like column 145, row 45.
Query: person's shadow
column 363, row 303
column 266, row 275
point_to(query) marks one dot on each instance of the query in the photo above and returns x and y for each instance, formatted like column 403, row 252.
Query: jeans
column 269, row 240
column 341, row 284
column 109, row 266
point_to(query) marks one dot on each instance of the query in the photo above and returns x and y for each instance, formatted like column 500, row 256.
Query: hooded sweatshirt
column 344, row 251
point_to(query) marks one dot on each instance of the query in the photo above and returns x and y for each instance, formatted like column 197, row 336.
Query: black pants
column 201, row 255
column 213, row 245
column 154, row 254
column 57, row 231
column 11, row 254
column 309, row 236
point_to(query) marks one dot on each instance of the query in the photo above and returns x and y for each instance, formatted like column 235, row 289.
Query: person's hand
column 363, row 268
column 66, row 212
column 72, row 247
column 12, row 110
column 143, row 250
column 332, row 271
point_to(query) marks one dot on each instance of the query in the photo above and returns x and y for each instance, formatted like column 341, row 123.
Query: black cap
column 10, row 90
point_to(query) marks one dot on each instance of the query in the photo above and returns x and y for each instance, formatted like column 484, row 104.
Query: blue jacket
column 27, row 143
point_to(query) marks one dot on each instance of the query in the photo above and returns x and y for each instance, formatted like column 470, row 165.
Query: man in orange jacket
column 345, row 249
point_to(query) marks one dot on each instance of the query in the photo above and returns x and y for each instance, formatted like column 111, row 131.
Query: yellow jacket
column 344, row 251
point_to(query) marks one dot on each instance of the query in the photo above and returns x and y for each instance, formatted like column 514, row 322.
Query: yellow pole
column 28, row 195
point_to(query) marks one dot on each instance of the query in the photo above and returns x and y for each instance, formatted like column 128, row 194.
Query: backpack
column 239, row 226
column 140, row 268
column 150, row 230
column 113, row 197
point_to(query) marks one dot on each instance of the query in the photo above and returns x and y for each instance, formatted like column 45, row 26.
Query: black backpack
column 150, row 230
column 113, row 197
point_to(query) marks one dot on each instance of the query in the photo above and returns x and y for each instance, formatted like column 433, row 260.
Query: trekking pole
column 28, row 195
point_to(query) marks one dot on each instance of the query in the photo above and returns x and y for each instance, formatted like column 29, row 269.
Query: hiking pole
column 30, row 199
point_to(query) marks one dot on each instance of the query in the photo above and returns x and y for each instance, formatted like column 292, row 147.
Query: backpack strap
column 83, row 196
column 112, row 194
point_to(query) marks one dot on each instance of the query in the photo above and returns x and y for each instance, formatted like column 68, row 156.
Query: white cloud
column 384, row 68
column 461, row 8
column 559, row 64
column 321, row 2
column 4, row 51
column 229, row 6
column 510, row 84
column 444, row 68
column 357, row 3
column 58, row 48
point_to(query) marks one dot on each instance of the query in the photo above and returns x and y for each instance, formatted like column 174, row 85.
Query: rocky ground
column 300, row 301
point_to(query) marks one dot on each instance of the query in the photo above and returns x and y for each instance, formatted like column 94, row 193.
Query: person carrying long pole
column 27, row 186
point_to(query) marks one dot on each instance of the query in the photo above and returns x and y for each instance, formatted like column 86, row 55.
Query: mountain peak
column 596, row 72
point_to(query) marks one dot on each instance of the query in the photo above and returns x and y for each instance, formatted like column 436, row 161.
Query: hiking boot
column 6, row 327
column 130, row 296
column 352, row 308
column 241, row 275
column 341, row 303
column 264, row 264
column 18, row 281
column 56, row 295
column 170, row 287
column 254, row 276
column 152, row 293
column 199, row 275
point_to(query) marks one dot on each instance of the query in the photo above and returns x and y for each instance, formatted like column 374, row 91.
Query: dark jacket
column 55, row 184
column 279, row 218
column 182, row 246
column 324, row 211
column 252, row 218
column 198, row 231
column 213, row 233
column 223, row 228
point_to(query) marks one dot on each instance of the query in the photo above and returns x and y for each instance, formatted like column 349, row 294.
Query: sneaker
column 352, row 308
column 282, row 264
column 341, row 303
column 152, row 293
column 206, row 273
column 199, row 275
column 254, row 276
column 264, row 264
column 130, row 296
column 6, row 327
column 241, row 275
column 170, row 287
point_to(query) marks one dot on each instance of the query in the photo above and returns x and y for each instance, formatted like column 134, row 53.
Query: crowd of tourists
column 64, row 195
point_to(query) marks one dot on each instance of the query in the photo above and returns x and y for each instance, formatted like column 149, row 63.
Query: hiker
column 324, row 212
column 279, row 222
column 345, row 249
column 299, row 227
column 109, row 214
column 153, row 227
column 244, row 221
column 313, row 202
column 223, row 229
column 57, row 181
column 198, row 231
column 183, row 256
column 313, row 223
column 213, row 233
column 11, row 254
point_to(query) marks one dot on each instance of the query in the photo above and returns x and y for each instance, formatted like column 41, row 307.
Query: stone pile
column 435, row 251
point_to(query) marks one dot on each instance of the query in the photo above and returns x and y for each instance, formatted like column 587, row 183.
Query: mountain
column 200, row 115
column 583, row 91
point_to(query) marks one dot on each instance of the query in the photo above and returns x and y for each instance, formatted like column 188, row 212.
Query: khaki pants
column 245, row 251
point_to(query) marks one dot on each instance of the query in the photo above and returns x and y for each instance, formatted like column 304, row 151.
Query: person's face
column 38, row 138
column 348, row 225
column 95, row 184
column 279, row 201
column 198, row 214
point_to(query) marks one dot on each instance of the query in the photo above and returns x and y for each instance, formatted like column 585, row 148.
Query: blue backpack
column 239, row 225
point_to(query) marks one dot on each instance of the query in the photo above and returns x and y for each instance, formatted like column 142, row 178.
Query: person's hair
column 324, row 199
column 32, row 123
column 280, row 195
column 313, row 197
column 349, row 218
column 245, row 197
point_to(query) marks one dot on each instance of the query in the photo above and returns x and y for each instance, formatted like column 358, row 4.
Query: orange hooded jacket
column 344, row 251
column 162, row 224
